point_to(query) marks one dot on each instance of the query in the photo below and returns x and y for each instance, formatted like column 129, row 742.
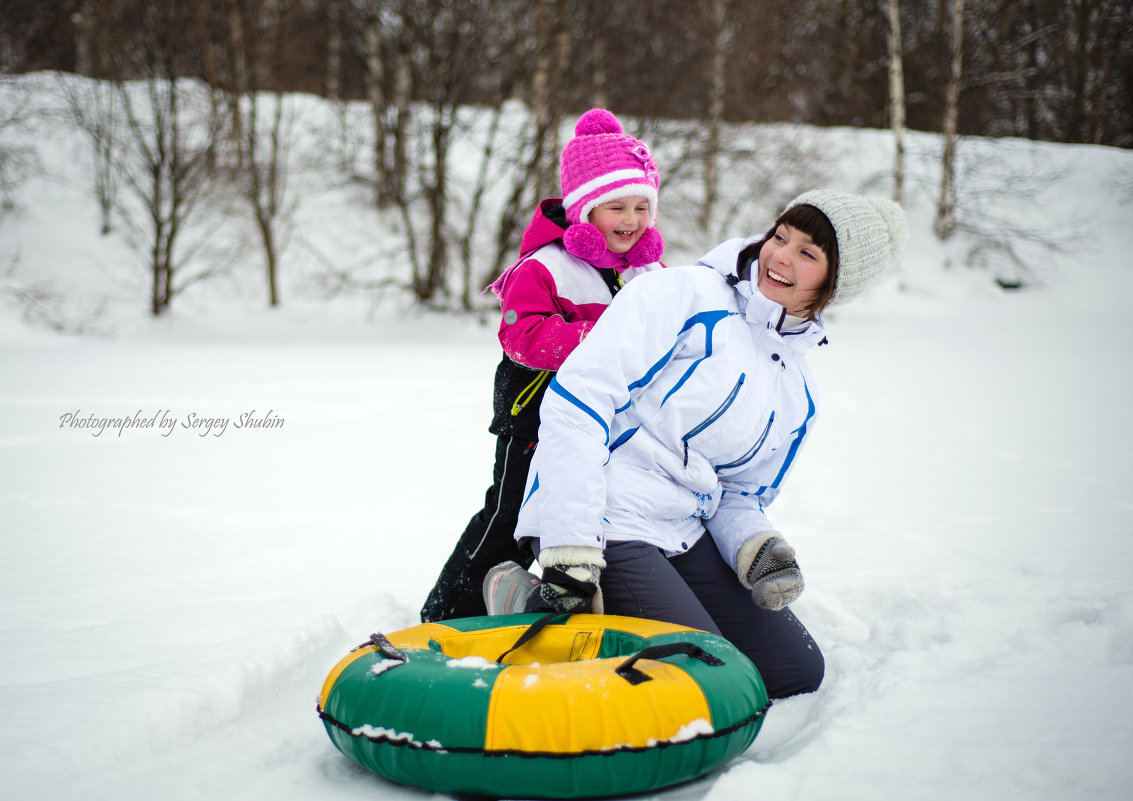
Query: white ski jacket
column 682, row 411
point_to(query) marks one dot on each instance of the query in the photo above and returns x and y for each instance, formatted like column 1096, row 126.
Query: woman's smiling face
column 792, row 269
column 621, row 221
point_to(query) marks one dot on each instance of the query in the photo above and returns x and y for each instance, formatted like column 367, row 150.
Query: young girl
column 669, row 431
column 576, row 254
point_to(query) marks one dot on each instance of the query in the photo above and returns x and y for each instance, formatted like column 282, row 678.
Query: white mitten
column 766, row 565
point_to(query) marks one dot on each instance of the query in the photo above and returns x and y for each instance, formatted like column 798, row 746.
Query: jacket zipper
column 747, row 457
column 528, row 392
column 712, row 418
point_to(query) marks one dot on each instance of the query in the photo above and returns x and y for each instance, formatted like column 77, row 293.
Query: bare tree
column 334, row 51
column 599, row 94
column 238, row 85
column 444, row 42
column 1052, row 69
column 84, row 22
column 564, row 49
column 442, row 31
column 95, row 109
column 553, row 42
column 264, row 134
column 528, row 159
column 387, row 77
column 15, row 160
column 716, row 99
column 162, row 162
column 333, row 82
column 217, row 105
column 164, row 168
column 266, row 188
column 946, row 205
column 896, row 97
column 532, row 164
column 492, row 168
column 375, row 79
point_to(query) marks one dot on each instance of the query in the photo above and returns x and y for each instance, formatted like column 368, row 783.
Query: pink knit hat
column 602, row 164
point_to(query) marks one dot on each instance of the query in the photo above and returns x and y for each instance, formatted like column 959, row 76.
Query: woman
column 672, row 427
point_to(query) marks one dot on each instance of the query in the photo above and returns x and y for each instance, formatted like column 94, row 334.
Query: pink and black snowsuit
column 549, row 300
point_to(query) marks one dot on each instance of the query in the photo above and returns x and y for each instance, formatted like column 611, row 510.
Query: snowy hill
column 172, row 597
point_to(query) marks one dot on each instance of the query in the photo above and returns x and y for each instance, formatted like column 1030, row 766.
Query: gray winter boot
column 507, row 588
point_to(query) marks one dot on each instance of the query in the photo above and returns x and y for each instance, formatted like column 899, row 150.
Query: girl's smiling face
column 792, row 269
column 621, row 221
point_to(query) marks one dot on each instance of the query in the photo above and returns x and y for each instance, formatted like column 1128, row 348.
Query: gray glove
column 766, row 565
column 570, row 578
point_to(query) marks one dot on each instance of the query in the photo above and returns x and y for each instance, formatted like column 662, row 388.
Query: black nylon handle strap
column 581, row 589
column 530, row 632
column 386, row 647
column 635, row 676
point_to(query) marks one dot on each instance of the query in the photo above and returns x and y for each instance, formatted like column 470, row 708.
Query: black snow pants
column 698, row 589
column 487, row 540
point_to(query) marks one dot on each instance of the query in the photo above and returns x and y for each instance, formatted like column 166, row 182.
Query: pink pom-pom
column 585, row 241
column 646, row 250
column 597, row 121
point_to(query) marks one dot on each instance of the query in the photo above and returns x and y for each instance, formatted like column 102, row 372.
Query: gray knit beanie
column 871, row 233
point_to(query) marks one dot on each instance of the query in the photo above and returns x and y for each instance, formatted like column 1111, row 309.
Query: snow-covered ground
column 172, row 598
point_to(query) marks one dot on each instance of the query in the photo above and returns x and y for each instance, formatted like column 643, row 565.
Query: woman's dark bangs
column 818, row 227
column 814, row 224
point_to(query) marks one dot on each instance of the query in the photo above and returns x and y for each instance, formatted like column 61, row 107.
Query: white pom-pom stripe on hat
column 611, row 186
column 603, row 180
column 622, row 190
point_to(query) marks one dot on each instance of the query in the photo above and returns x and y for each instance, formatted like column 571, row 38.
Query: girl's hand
column 570, row 578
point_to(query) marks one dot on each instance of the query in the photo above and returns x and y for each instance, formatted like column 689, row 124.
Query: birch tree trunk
column 266, row 138
column 334, row 80
column 84, row 22
column 540, row 86
column 96, row 111
column 376, row 97
column 389, row 83
column 896, row 98
column 722, row 38
column 599, row 97
column 208, row 69
column 166, row 176
column 334, row 51
column 564, row 44
column 397, row 160
column 946, row 205
column 266, row 189
column 239, row 77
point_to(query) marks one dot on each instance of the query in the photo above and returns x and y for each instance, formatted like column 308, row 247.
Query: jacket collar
column 758, row 310
column 548, row 223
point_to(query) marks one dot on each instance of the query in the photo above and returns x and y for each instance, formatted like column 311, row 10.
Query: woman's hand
column 766, row 566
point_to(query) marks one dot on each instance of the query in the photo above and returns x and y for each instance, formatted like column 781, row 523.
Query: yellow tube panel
column 575, row 707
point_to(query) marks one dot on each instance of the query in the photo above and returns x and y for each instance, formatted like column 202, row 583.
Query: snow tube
column 553, row 706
